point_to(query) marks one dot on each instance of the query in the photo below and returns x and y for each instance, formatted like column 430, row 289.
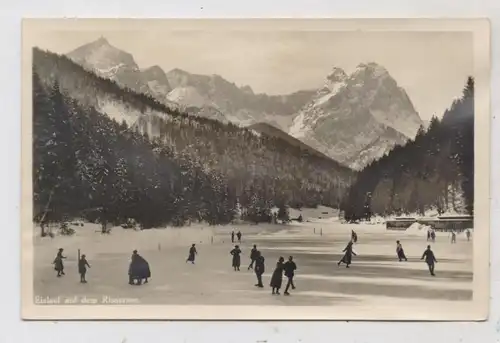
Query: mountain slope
column 212, row 94
column 435, row 171
column 263, row 169
column 350, row 113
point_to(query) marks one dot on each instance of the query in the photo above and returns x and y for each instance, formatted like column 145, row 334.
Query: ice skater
column 428, row 235
column 138, row 269
column 253, row 256
column 277, row 277
column 82, row 268
column 239, row 236
column 400, row 252
column 58, row 263
column 232, row 236
column 236, row 257
column 430, row 259
column 453, row 237
column 467, row 233
column 347, row 258
column 433, row 236
column 259, row 268
column 354, row 236
column 289, row 268
column 192, row 254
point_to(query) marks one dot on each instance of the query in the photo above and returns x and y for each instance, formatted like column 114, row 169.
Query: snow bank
column 417, row 229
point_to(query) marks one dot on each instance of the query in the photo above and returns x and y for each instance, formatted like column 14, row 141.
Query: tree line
column 161, row 170
column 433, row 171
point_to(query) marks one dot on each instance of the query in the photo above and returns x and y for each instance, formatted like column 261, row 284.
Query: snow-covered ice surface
column 376, row 278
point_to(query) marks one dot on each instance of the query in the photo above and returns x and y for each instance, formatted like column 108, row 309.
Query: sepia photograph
column 255, row 169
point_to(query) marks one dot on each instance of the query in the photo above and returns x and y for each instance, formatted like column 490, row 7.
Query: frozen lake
column 376, row 277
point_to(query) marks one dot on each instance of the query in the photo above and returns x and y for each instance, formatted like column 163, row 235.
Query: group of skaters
column 139, row 271
column 431, row 236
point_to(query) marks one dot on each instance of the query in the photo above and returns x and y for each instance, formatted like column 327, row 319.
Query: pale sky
column 431, row 66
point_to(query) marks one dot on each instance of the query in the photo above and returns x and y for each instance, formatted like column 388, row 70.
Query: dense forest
column 433, row 171
column 162, row 167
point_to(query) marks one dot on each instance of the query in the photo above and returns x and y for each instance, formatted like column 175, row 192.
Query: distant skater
column 236, row 257
column 347, row 258
column 354, row 236
column 289, row 268
column 433, row 236
column 467, row 233
column 138, row 269
column 82, row 268
column 428, row 235
column 400, row 252
column 232, row 236
column 277, row 277
column 239, row 236
column 453, row 237
column 253, row 256
column 430, row 259
column 58, row 263
column 192, row 254
column 259, row 268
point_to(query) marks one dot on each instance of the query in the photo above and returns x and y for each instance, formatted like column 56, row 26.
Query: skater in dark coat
column 239, row 236
column 192, row 254
column 347, row 258
column 354, row 236
column 232, row 236
column 58, row 263
column 277, row 277
column 236, row 257
column 289, row 268
column 428, row 235
column 259, row 268
column 467, row 233
column 82, row 268
column 453, row 237
column 433, row 235
column 138, row 269
column 430, row 259
column 400, row 252
column 253, row 256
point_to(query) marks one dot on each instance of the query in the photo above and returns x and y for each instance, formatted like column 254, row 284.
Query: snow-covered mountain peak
column 337, row 75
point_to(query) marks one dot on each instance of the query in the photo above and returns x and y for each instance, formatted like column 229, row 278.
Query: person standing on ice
column 453, row 237
column 138, row 269
column 277, row 277
column 239, row 236
column 347, row 258
column 467, row 233
column 58, row 263
column 82, row 268
column 259, row 268
column 430, row 259
column 192, row 254
column 400, row 252
column 289, row 268
column 253, row 256
column 236, row 257
column 433, row 236
column 232, row 236
column 428, row 235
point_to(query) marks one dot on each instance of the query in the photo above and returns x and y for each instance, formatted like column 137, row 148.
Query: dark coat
column 82, row 266
column 400, row 251
column 139, row 267
column 236, row 257
column 277, row 277
column 347, row 259
column 58, row 262
column 253, row 254
column 290, row 268
column 259, row 265
column 429, row 257
column 192, row 254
